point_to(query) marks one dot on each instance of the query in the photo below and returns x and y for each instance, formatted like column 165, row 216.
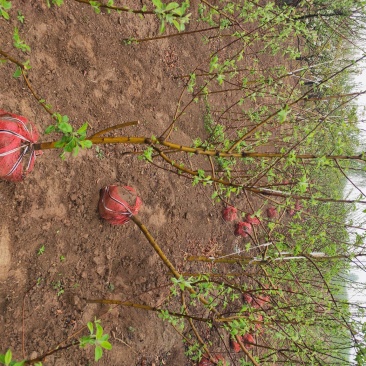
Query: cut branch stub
column 118, row 204
column 17, row 154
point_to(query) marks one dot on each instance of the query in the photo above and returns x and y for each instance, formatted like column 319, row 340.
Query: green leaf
column 59, row 144
column 8, row 356
column 84, row 341
column 99, row 331
column 105, row 337
column 69, row 147
column 96, row 6
column 87, row 144
column 65, row 119
column 106, row 345
column 4, row 14
column 176, row 24
column 27, row 65
column 180, row 11
column 282, row 114
column 98, row 353
column 162, row 27
column 157, row 3
column 58, row 117
column 50, row 129
column 75, row 150
column 18, row 72
column 65, row 127
column 83, row 128
column 171, row 6
column 90, row 327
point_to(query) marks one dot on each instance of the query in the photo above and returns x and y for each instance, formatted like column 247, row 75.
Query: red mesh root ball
column 218, row 357
column 258, row 326
column 248, row 340
column 118, row 204
column 17, row 155
column 229, row 213
column 243, row 229
column 261, row 301
column 272, row 213
column 247, row 299
column 235, row 346
column 252, row 219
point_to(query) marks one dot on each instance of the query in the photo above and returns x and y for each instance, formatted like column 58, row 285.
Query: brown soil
column 82, row 68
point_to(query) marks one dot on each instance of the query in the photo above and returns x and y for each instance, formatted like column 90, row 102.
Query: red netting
column 243, row 229
column 17, row 154
column 248, row 340
column 252, row 219
column 117, row 204
column 229, row 213
column 272, row 213
column 235, row 346
column 218, row 357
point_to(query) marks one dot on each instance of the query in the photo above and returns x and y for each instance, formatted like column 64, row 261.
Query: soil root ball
column 17, row 155
column 118, row 204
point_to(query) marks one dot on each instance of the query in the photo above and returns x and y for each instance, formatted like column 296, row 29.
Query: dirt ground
column 55, row 251
column 81, row 66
